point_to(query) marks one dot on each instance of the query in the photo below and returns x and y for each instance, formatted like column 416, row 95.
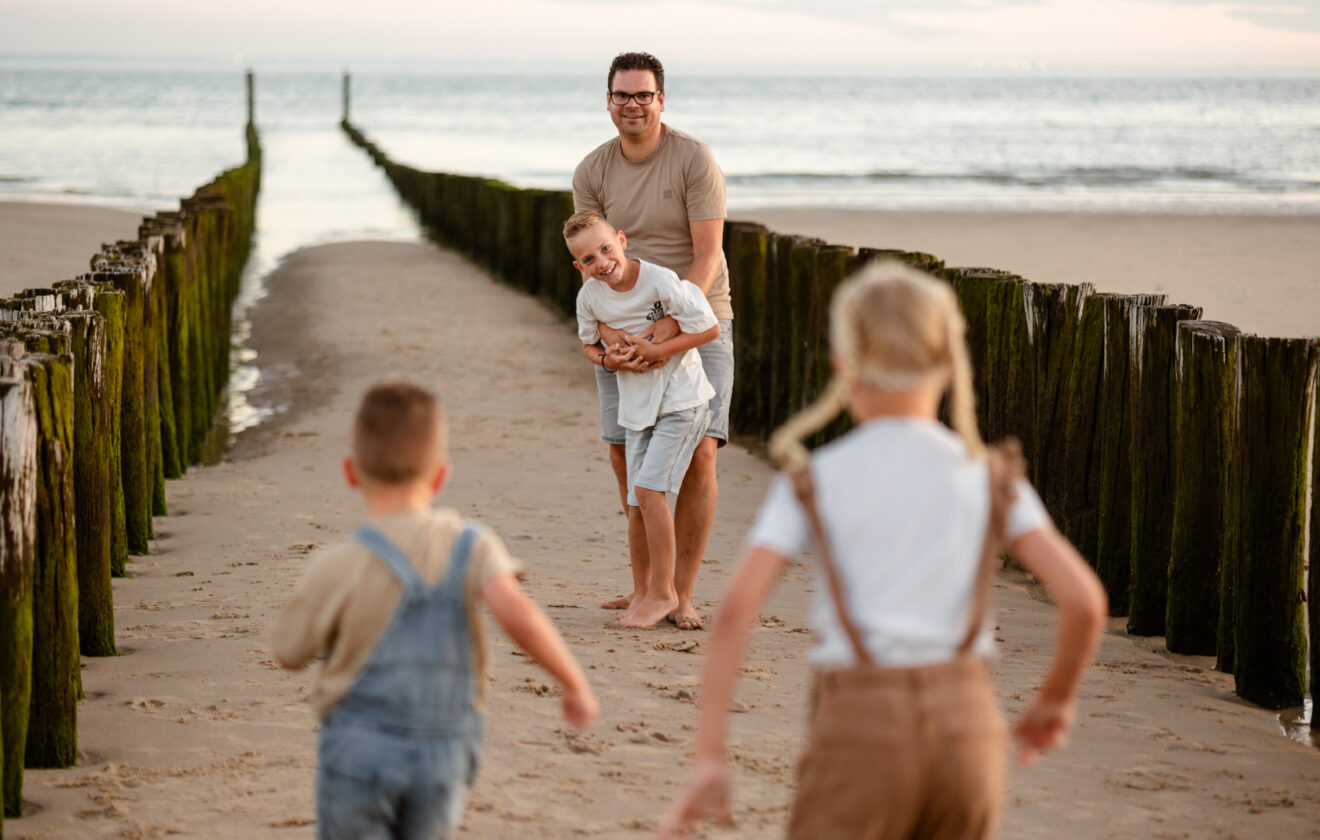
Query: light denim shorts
column 378, row 785
column 658, row 457
column 716, row 360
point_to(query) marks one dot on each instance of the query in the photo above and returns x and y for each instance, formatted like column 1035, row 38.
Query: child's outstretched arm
column 1082, row 608
column 532, row 631
column 707, row 789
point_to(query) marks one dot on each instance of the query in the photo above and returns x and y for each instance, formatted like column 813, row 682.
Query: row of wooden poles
column 1174, row 452
column 109, row 384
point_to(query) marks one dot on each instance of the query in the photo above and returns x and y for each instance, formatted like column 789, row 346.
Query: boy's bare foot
column 621, row 603
column 648, row 612
column 686, row 617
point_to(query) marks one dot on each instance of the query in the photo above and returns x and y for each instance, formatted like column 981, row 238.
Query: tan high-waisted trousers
column 898, row 753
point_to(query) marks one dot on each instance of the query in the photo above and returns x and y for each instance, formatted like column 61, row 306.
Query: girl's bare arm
column 1082, row 608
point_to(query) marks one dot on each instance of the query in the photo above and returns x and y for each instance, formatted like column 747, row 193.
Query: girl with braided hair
column 908, row 519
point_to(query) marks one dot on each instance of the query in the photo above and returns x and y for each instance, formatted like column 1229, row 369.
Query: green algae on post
column 1205, row 417
column 110, row 303
column 52, row 736
column 18, row 506
column 1278, row 398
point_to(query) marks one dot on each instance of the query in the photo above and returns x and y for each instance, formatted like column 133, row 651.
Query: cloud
column 1298, row 16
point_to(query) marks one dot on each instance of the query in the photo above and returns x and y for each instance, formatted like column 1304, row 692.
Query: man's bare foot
column 686, row 617
column 620, row 603
column 648, row 612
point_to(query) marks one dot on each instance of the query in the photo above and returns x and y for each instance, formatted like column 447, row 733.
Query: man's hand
column 609, row 334
column 661, row 331
column 647, row 350
column 623, row 356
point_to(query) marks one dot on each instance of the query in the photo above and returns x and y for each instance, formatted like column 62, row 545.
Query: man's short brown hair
column 582, row 220
column 636, row 61
column 400, row 433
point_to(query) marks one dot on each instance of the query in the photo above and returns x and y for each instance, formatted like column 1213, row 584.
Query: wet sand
column 196, row 732
column 43, row 243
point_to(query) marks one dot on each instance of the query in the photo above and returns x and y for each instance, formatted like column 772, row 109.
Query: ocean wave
column 1082, row 176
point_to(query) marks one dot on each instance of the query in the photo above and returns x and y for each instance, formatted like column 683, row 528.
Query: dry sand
column 43, row 243
column 1260, row 273
column 196, row 732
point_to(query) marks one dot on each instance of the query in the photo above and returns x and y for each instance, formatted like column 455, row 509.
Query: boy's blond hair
column 892, row 327
column 583, row 220
column 400, row 433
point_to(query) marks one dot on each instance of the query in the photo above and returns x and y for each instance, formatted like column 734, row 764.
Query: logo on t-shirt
column 668, row 193
column 657, row 312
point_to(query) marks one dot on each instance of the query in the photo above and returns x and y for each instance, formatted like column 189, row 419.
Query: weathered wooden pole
column 18, row 510
column 1312, row 577
column 748, row 249
column 1009, row 372
column 1274, row 429
column 1080, row 458
column 1205, row 414
column 803, row 262
column 777, row 343
column 834, row 263
column 52, row 736
column 111, row 304
column 251, row 98
column 134, row 459
column 1113, row 552
column 1056, row 315
column 1152, row 330
column 91, row 465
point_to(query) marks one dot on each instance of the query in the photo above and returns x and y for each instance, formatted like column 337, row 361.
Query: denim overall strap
column 460, row 558
column 391, row 555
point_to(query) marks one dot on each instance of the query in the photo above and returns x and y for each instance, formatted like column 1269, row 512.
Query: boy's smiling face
column 598, row 252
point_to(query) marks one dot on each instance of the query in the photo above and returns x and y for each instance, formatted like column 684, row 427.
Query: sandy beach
column 41, row 243
column 1258, row 273
column 195, row 732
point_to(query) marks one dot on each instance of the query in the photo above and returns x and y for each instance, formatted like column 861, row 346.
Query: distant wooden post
column 1151, row 354
column 1205, row 417
column 1278, row 393
column 251, row 98
column 346, row 96
column 18, row 511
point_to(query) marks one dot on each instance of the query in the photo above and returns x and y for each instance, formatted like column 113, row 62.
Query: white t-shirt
column 905, row 511
column 681, row 383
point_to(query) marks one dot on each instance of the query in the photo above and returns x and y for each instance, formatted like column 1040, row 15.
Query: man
column 663, row 187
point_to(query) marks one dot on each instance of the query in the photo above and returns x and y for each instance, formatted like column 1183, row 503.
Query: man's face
column 598, row 252
column 630, row 118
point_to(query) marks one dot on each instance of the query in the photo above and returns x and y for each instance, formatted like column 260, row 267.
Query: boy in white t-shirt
column 663, row 392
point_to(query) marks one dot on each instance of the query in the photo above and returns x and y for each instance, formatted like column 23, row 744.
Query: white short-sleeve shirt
column 905, row 510
column 681, row 383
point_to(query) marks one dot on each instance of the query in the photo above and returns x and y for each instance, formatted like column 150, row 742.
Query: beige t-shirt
column 653, row 200
column 347, row 597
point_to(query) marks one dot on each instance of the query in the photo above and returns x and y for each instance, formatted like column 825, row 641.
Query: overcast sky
column 693, row 34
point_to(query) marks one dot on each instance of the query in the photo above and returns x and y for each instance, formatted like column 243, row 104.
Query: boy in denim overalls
column 393, row 613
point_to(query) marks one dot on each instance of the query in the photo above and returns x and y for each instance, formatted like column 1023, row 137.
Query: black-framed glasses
column 641, row 97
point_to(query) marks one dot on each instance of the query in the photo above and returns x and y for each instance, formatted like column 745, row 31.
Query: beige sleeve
column 586, row 187
column 303, row 630
column 704, row 187
column 490, row 557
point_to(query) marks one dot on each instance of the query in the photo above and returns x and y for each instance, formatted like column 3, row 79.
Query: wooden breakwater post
column 1312, row 582
column 345, row 94
column 18, row 510
column 1274, row 432
column 1205, row 418
column 1152, row 331
column 1113, row 549
column 747, row 249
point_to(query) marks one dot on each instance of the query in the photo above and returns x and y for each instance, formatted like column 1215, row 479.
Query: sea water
column 143, row 134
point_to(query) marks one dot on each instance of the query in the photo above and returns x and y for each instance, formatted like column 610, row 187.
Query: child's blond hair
column 399, row 434
column 891, row 327
column 581, row 221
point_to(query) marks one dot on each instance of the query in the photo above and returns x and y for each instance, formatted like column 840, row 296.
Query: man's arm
column 707, row 245
column 653, row 352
